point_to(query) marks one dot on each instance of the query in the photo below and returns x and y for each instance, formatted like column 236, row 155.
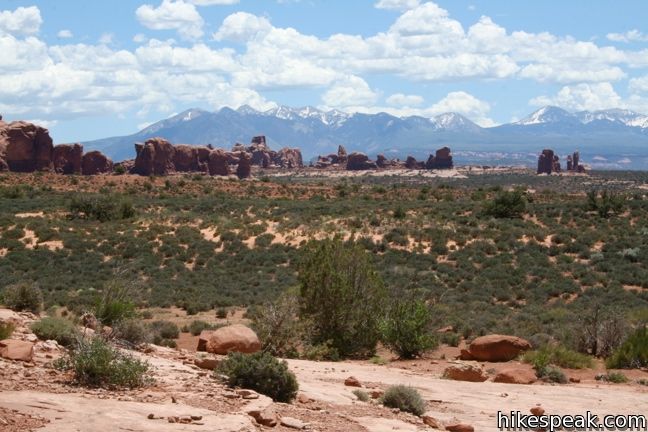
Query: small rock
column 537, row 411
column 574, row 380
column 352, row 382
column 460, row 427
column 293, row 423
column 206, row 363
column 302, row 398
column 265, row 417
column 375, row 394
column 432, row 422
column 247, row 394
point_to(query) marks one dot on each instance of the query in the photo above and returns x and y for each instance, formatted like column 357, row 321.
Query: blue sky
column 91, row 69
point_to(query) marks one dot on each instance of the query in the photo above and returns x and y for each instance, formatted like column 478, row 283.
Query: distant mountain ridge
column 607, row 134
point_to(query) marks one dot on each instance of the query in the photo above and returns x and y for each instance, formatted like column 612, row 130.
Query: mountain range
column 612, row 138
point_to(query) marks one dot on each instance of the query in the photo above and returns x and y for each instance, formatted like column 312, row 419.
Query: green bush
column 559, row 356
column 633, row 353
column 164, row 329
column 134, row 331
column 6, row 330
column 59, row 329
column 321, row 352
column 23, row 297
column 114, row 305
column 406, row 330
column 613, row 377
column 506, row 205
column 260, row 372
column 362, row 395
column 552, row 374
column 605, row 203
column 102, row 208
column 405, row 399
column 96, row 363
column 197, row 326
column 341, row 296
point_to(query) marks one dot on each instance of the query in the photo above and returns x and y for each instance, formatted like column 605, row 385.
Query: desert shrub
column 321, row 352
column 114, row 304
column 362, row 395
column 23, row 297
column 162, row 329
column 221, row 313
column 197, row 326
column 260, row 372
column 6, row 330
column 506, row 205
column 552, row 374
column 406, row 329
column 277, row 325
column 559, row 356
column 377, row 360
column 134, row 331
column 613, row 377
column 601, row 331
column 451, row 339
column 342, row 296
column 605, row 203
column 405, row 399
column 96, row 363
column 102, row 208
column 633, row 353
column 61, row 330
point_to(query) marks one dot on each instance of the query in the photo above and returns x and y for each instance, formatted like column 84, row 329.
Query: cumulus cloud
column 22, row 21
column 242, row 26
column 629, row 36
column 397, row 4
column 582, row 97
column 172, row 15
column 403, row 100
column 213, row 2
column 349, row 92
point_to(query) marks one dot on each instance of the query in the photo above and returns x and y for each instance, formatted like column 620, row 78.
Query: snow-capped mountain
column 317, row 131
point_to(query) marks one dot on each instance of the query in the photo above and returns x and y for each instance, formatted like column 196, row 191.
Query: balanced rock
column 95, row 162
column 234, row 338
column 465, row 372
column 497, row 348
column 68, row 158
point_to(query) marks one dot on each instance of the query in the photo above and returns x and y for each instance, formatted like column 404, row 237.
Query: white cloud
column 397, row 4
column 582, row 97
column 106, row 38
column 403, row 100
column 629, row 36
column 351, row 91
column 22, row 21
column 172, row 15
column 242, row 26
column 64, row 34
column 639, row 85
column 213, row 2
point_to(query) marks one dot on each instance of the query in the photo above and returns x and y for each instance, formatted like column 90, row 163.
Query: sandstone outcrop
column 442, row 159
column 548, row 162
column 234, row 338
column 68, row 158
column 154, row 157
column 25, row 147
column 359, row 161
column 244, row 168
column 95, row 162
column 496, row 348
column 218, row 163
column 16, row 350
column 465, row 372
column 515, row 376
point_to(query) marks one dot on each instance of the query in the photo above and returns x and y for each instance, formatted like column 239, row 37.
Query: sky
column 93, row 69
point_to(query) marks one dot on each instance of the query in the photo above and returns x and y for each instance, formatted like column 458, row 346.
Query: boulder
column 265, row 417
column 497, row 348
column 352, row 382
column 432, row 422
column 154, row 157
column 208, row 363
column 16, row 350
column 293, row 423
column 244, row 168
column 465, row 372
column 95, row 162
column 234, row 338
column 218, row 163
column 203, row 338
column 27, row 147
column 68, row 158
column 459, row 427
column 357, row 161
column 537, row 410
column 515, row 376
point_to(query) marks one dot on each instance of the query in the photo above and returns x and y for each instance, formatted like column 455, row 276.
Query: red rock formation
column 546, row 162
column 95, row 162
column 67, row 158
column 289, row 158
column 218, row 163
column 497, row 347
column 244, row 168
column 441, row 160
column 359, row 161
column 27, row 147
column 155, row 157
